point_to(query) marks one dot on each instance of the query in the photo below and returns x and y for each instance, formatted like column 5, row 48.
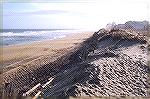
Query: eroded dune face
column 108, row 63
column 115, row 65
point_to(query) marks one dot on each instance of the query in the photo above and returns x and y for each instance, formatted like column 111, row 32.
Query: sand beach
column 19, row 54
column 98, row 63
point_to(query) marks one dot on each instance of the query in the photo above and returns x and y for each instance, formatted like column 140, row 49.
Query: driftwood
column 31, row 90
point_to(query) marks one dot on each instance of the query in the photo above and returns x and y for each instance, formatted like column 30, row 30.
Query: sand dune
column 118, row 67
column 107, row 63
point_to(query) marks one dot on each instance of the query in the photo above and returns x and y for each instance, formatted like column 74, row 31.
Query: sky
column 72, row 14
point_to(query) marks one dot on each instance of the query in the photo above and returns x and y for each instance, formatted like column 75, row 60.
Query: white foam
column 40, row 33
column 26, row 33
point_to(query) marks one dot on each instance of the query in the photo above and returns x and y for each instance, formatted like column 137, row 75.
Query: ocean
column 24, row 36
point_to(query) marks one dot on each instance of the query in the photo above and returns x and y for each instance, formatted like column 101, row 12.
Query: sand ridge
column 118, row 70
column 104, row 64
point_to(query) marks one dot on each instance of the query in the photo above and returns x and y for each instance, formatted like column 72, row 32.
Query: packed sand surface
column 20, row 54
column 107, row 63
column 24, row 62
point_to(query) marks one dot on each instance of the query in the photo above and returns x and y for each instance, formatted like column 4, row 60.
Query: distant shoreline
column 9, row 30
column 26, row 43
column 27, row 36
column 18, row 52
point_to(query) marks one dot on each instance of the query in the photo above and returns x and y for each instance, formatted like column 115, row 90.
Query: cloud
column 48, row 1
column 76, row 14
column 43, row 12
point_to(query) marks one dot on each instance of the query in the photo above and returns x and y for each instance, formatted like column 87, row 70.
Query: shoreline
column 27, row 37
column 46, row 39
column 27, row 43
column 78, row 67
column 21, row 54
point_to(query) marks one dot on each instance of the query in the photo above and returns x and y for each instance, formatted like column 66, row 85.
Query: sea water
column 23, row 36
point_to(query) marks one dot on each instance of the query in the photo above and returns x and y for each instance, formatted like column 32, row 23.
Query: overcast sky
column 90, row 14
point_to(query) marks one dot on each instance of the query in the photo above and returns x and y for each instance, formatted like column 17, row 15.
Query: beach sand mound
column 108, row 63
column 117, row 65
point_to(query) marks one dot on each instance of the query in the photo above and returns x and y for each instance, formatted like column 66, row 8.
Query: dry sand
column 117, row 67
column 113, row 69
column 26, row 62
column 15, row 54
